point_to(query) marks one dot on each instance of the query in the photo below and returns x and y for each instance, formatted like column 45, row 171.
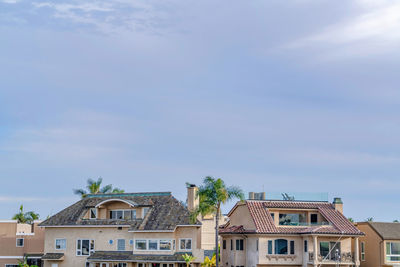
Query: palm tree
column 370, row 219
column 212, row 194
column 188, row 258
column 350, row 219
column 25, row 217
column 209, row 262
column 94, row 187
column 396, row 221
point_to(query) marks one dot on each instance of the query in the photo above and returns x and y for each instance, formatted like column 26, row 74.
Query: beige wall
column 102, row 237
column 33, row 243
column 241, row 216
column 374, row 252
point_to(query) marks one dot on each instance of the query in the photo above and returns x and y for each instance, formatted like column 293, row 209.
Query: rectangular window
column 332, row 247
column 165, row 244
column 292, row 247
column 239, row 244
column 292, row 219
column 231, row 244
column 305, row 246
column 133, row 214
column 314, row 218
column 84, row 247
column 281, row 246
column 393, row 251
column 273, row 216
column 61, row 244
column 12, row 265
column 127, row 214
column 257, row 245
column 224, row 244
column 362, row 251
column 269, row 247
column 140, row 244
column 121, row 244
column 185, row 244
column 122, row 214
column 93, row 213
column 54, row 265
column 20, row 242
column 153, row 244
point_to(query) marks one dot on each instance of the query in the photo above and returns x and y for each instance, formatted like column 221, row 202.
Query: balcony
column 346, row 257
column 307, row 224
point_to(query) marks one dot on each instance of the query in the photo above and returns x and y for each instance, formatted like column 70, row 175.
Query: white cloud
column 375, row 30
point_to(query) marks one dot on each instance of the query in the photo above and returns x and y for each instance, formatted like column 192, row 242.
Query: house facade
column 19, row 241
column 380, row 247
column 122, row 230
column 289, row 233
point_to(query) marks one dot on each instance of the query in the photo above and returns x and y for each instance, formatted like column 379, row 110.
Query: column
column 356, row 253
column 315, row 243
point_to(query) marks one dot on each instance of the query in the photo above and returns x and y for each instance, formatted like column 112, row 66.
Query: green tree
column 188, row 258
column 94, row 187
column 209, row 262
column 350, row 219
column 370, row 219
column 24, row 263
column 25, row 217
column 212, row 195
column 396, row 221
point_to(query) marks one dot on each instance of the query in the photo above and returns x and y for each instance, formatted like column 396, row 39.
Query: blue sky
column 287, row 95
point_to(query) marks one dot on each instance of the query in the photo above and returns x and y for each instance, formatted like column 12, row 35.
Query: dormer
column 116, row 209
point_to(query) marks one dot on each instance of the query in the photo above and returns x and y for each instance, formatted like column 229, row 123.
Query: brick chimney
column 338, row 204
column 192, row 198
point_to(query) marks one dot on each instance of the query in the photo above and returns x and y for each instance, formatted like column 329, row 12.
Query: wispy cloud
column 10, row 1
column 375, row 30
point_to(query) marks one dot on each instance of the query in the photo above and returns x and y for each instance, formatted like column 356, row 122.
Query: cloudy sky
column 289, row 96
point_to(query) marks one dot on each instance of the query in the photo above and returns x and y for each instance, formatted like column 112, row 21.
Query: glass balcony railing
column 304, row 224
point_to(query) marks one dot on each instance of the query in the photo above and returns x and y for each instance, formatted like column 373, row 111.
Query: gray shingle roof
column 387, row 230
column 53, row 256
column 128, row 256
column 165, row 212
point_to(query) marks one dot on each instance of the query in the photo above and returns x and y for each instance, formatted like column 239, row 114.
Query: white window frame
column 16, row 242
column 143, row 211
column 90, row 250
column 147, row 241
column 288, row 246
column 191, row 244
column 90, row 213
column 123, row 213
column 55, row 244
column 362, row 250
column 391, row 255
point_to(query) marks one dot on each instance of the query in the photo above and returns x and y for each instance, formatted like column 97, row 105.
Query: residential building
column 381, row 244
column 123, row 230
column 288, row 233
column 18, row 241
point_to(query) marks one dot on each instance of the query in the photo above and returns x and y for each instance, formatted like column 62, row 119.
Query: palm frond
column 106, row 189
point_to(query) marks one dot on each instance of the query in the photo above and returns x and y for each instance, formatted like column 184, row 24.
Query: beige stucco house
column 381, row 244
column 19, row 240
column 288, row 233
column 122, row 230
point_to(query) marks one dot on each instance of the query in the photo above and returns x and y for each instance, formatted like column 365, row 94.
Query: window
column 145, row 211
column 314, row 218
column 257, row 245
column 273, row 216
column 224, row 244
column 292, row 247
column 54, row 265
column 93, row 213
column 20, row 242
column 305, row 246
column 185, row 244
column 292, row 219
column 269, row 247
column 281, row 246
column 393, row 251
column 165, row 244
column 231, row 244
column 153, row 244
column 239, row 244
column 141, row 245
column 363, row 251
column 84, row 247
column 121, row 244
column 332, row 247
column 61, row 244
column 12, row 265
column 122, row 214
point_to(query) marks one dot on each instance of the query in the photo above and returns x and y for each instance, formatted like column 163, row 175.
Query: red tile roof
column 265, row 225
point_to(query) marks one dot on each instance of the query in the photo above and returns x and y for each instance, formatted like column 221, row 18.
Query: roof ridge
column 129, row 194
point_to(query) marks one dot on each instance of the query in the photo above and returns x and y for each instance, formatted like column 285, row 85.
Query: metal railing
column 343, row 257
column 304, row 224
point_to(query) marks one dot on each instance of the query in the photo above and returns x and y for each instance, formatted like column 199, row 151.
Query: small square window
column 20, row 242
column 185, row 244
column 61, row 244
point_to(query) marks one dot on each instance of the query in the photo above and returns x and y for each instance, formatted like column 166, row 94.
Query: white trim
column 116, row 199
column 90, row 251
column 25, row 234
column 86, row 226
column 8, row 221
column 11, row 257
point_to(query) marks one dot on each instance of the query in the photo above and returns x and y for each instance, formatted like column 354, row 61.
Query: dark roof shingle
column 387, row 230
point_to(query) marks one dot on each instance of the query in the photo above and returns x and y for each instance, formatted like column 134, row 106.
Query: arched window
column 281, row 246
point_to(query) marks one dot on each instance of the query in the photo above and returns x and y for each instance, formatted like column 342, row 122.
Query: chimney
column 256, row 196
column 338, row 204
column 192, row 198
column 251, row 195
